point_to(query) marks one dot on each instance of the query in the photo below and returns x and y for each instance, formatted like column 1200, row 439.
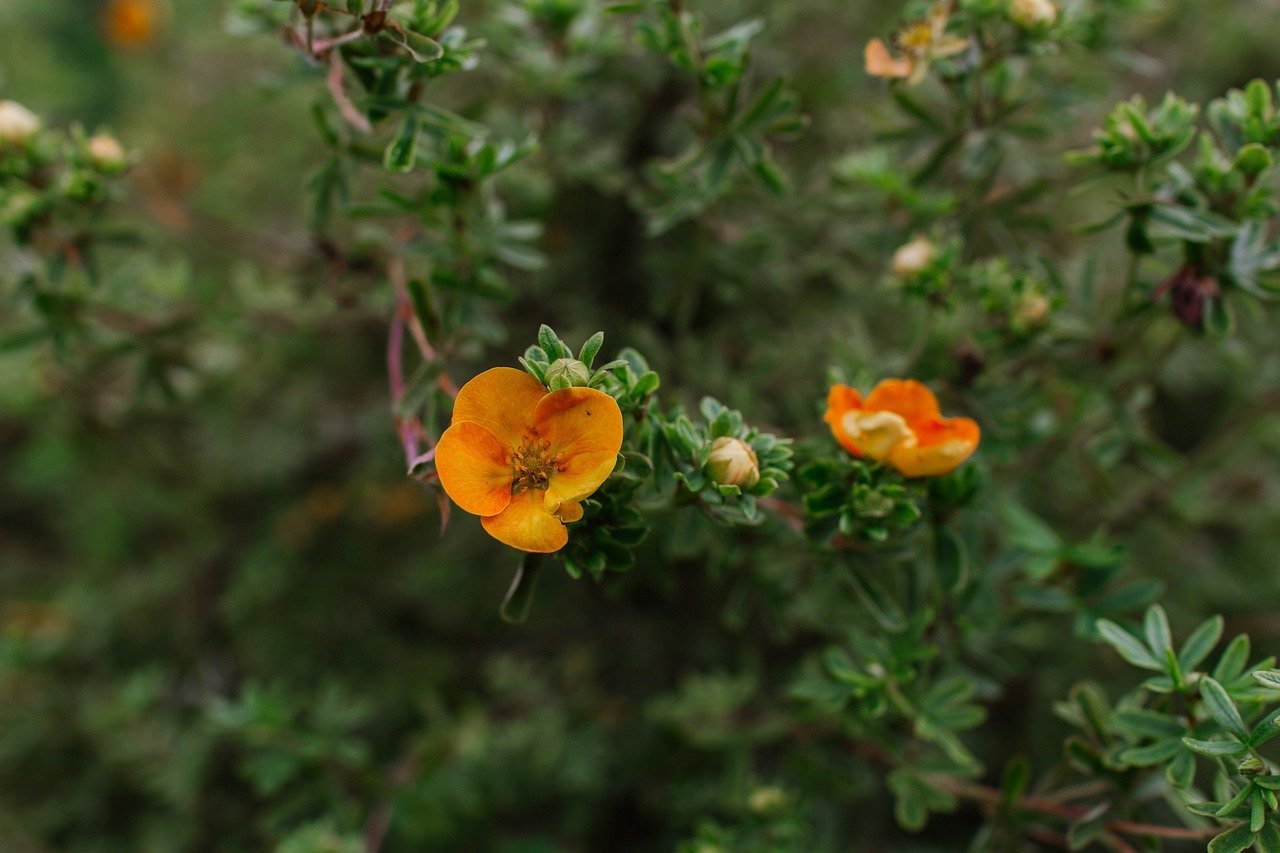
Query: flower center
column 878, row 433
column 532, row 465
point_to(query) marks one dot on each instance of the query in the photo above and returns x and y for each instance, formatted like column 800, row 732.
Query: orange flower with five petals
column 900, row 423
column 524, row 458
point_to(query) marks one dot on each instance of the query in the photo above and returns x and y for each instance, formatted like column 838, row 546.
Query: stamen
column 532, row 465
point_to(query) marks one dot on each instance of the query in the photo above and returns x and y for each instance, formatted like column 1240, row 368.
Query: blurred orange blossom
column 899, row 422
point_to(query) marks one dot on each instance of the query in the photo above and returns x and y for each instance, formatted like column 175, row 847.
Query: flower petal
column 502, row 400
column 880, row 63
column 525, row 524
column 906, row 397
column 941, row 445
column 841, row 400
column 570, row 511
column 584, row 429
column 474, row 468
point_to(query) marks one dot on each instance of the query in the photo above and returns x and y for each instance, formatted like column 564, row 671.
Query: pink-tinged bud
column 914, row 257
column 106, row 154
column 1033, row 13
column 1031, row 310
column 732, row 462
column 17, row 123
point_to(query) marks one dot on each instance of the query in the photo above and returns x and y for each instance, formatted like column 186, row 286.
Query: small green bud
column 732, row 462
column 766, row 800
column 1031, row 311
column 567, row 373
column 1251, row 765
column 21, row 207
column 1253, row 159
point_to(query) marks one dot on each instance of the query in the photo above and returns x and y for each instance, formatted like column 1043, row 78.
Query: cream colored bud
column 912, row 258
column 1032, row 310
column 1032, row 13
column 732, row 462
column 768, row 799
column 17, row 123
column 567, row 373
column 106, row 154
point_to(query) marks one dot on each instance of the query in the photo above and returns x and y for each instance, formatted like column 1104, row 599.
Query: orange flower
column 921, row 43
column 132, row 23
column 899, row 422
column 523, row 458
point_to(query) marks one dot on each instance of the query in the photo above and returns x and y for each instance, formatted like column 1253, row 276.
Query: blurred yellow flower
column 921, row 43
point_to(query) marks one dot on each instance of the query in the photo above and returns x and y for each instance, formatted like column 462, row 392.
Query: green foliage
column 239, row 612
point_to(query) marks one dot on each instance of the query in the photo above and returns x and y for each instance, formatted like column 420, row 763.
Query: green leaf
column 591, row 348
column 402, row 151
column 1014, row 780
column 1191, row 225
column 1233, row 660
column 1156, row 627
column 1151, row 754
column 519, row 598
column 1220, row 707
column 1234, row 840
column 1266, row 729
column 1129, row 647
column 550, row 343
column 1028, row 531
column 1200, row 643
column 1269, row 678
column 1215, row 748
column 1268, row 840
column 951, row 559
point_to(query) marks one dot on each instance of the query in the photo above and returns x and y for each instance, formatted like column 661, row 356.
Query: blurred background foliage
column 229, row 622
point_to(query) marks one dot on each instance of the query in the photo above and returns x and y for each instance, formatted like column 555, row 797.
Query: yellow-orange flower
column 523, row 458
column 132, row 23
column 921, row 42
column 899, row 422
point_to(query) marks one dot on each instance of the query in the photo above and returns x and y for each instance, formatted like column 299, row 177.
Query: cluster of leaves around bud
column 56, row 178
column 1182, row 721
column 1213, row 205
column 55, row 188
column 1017, row 301
column 666, row 458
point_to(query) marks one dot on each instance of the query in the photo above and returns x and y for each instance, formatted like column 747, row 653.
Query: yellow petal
column 877, row 434
column 584, row 429
column 905, row 397
column 502, row 400
column 525, row 524
column 841, row 400
column 570, row 512
column 474, row 468
column 880, row 63
column 941, row 446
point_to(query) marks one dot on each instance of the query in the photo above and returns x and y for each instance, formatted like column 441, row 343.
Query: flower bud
column 567, row 373
column 732, row 462
column 1031, row 310
column 106, row 154
column 17, row 123
column 1032, row 13
column 912, row 258
column 767, row 800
